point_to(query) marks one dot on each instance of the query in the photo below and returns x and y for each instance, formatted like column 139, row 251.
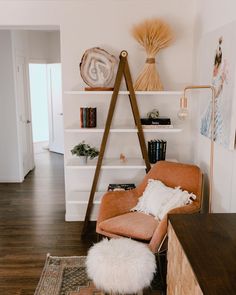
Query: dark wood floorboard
column 32, row 224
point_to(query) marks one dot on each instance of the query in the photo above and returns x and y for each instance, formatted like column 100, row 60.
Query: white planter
column 83, row 160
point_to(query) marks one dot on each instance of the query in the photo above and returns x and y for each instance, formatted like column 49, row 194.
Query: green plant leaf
column 84, row 149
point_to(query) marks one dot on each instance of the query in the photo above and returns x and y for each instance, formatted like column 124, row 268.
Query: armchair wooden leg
column 159, row 281
column 161, row 268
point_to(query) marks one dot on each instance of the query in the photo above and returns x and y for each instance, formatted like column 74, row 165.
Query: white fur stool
column 120, row 266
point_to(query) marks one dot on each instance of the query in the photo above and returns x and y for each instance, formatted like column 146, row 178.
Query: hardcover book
column 88, row 117
column 84, row 117
column 93, row 117
column 120, row 186
column 81, row 118
column 156, row 150
column 159, row 150
column 157, row 121
column 164, row 150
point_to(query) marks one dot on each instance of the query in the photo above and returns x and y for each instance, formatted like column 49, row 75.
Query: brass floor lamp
column 183, row 113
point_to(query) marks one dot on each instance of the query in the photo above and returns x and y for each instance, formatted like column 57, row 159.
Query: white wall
column 9, row 155
column 38, row 46
column 54, row 47
column 85, row 24
column 213, row 14
column 44, row 46
column 107, row 23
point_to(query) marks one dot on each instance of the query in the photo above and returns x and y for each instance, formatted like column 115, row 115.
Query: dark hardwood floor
column 32, row 224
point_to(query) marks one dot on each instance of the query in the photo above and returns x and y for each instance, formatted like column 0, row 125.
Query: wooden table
column 202, row 254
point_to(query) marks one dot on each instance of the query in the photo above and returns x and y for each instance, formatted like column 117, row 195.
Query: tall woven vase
column 152, row 35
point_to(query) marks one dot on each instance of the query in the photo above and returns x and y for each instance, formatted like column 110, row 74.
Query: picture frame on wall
column 218, row 67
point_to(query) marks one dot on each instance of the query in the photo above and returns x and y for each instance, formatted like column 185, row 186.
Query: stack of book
column 120, row 186
column 156, row 150
column 160, row 122
column 88, row 117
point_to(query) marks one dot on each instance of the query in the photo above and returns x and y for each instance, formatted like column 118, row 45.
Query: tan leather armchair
column 116, row 220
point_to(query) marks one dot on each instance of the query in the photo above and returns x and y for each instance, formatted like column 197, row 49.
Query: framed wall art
column 218, row 67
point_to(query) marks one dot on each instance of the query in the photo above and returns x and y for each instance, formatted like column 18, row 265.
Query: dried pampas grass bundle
column 153, row 35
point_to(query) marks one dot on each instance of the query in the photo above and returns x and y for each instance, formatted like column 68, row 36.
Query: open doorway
column 31, row 65
column 46, row 107
column 39, row 106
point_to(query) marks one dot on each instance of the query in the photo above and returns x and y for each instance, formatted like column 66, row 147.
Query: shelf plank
column 81, row 197
column 108, row 164
column 90, row 93
column 76, row 129
column 132, row 163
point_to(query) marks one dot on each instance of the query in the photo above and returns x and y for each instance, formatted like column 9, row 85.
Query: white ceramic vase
column 83, row 160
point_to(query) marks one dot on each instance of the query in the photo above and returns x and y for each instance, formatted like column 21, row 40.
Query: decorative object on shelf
column 120, row 187
column 88, row 117
column 156, row 121
column 153, row 35
column 83, row 160
column 213, row 119
column 183, row 111
column 84, row 151
column 123, row 158
column 157, row 150
column 153, row 114
column 123, row 70
column 98, row 69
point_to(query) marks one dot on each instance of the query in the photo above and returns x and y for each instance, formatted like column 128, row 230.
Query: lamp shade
column 183, row 111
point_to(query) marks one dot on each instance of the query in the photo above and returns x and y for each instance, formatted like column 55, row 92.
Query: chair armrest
column 186, row 209
column 161, row 229
column 116, row 203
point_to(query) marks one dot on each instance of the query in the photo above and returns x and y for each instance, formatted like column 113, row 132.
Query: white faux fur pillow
column 180, row 198
column 158, row 199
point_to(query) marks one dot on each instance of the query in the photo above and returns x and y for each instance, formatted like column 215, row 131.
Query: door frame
column 51, row 110
column 18, row 56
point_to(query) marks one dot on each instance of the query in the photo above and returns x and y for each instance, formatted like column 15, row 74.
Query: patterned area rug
column 67, row 276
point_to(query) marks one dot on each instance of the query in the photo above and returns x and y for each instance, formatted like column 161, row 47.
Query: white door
column 24, row 115
column 56, row 133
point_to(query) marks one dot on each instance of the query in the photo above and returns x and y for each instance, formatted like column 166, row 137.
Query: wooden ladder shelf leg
column 123, row 69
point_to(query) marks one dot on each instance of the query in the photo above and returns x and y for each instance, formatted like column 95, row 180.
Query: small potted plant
column 84, row 151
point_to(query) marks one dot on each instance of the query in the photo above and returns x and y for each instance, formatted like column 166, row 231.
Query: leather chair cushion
column 134, row 225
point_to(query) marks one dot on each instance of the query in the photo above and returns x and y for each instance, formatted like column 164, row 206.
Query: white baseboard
column 11, row 180
column 40, row 147
column 71, row 218
column 76, row 212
